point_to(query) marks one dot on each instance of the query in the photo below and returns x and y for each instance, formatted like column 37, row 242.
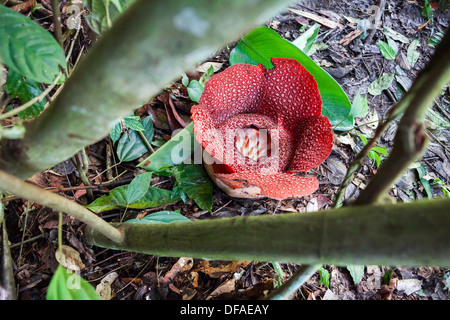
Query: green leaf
column 388, row 32
column 360, row 107
column 324, row 277
column 160, row 217
column 380, row 84
column 386, row 50
column 387, row 276
column 196, row 183
column 68, row 285
column 380, row 150
column 412, row 54
column 24, row 90
column 29, row 49
column 306, row 40
column 138, row 187
column 422, row 171
column 427, row 12
column 133, row 122
column 262, row 43
column 117, row 198
column 206, row 76
column 173, row 152
column 357, row 272
column 195, row 90
column 104, row 12
column 131, row 146
column 116, row 131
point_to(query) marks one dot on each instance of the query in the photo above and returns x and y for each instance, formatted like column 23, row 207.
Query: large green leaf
column 174, row 151
column 262, row 43
column 68, row 285
column 27, row 48
column 160, row 217
column 24, row 90
column 117, row 198
column 195, row 182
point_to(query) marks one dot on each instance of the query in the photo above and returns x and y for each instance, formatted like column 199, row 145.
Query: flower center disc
column 252, row 143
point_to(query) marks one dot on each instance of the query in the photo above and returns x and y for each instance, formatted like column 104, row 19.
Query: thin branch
column 56, row 202
column 411, row 140
column 290, row 287
column 426, row 87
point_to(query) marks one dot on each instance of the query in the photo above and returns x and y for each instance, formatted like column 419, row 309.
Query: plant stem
column 31, row 192
column 395, row 234
column 411, row 140
column 82, row 164
column 57, row 22
column 426, row 87
column 290, row 287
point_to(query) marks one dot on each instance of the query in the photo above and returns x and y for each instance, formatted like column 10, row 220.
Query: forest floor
column 355, row 62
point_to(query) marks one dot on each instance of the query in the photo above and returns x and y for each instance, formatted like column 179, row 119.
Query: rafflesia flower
column 259, row 127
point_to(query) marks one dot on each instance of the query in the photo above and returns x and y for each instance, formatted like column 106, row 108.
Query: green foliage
column 444, row 187
column 173, row 152
column 262, row 43
column 387, row 276
column 24, row 90
column 160, row 218
column 131, row 145
column 117, row 198
column 193, row 180
column 195, row 87
column 360, row 107
column 427, row 12
column 357, row 272
column 104, row 12
column 68, row 285
column 138, row 187
column 386, row 50
column 376, row 153
column 305, row 41
column 29, row 49
column 422, row 172
column 380, row 84
column 412, row 54
column 324, row 277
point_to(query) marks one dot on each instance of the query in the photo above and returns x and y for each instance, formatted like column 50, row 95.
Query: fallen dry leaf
column 69, row 258
column 215, row 269
column 103, row 289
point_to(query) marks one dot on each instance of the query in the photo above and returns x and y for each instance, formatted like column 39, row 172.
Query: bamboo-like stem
column 56, row 202
column 395, row 234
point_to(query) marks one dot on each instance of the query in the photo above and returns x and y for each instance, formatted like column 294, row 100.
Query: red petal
column 237, row 89
column 276, row 186
column 314, row 140
column 291, row 93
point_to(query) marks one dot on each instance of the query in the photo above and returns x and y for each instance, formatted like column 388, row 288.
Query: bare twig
column 54, row 201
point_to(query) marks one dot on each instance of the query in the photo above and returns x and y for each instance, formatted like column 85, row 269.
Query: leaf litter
column 355, row 64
